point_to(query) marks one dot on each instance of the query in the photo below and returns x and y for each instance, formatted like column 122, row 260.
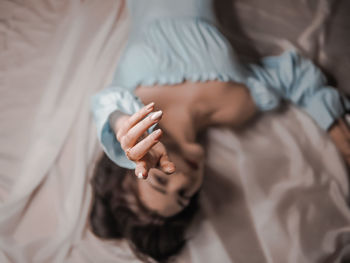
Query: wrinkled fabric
column 169, row 45
column 275, row 193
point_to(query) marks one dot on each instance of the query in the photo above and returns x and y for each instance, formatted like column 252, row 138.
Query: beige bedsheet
column 276, row 192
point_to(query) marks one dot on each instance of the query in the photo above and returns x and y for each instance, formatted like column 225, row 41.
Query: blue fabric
column 172, row 43
column 144, row 12
column 298, row 80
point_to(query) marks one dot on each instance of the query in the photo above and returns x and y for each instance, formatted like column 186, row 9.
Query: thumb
column 141, row 170
column 166, row 165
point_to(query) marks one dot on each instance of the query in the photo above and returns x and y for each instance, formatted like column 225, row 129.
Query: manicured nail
column 149, row 106
column 140, row 175
column 156, row 115
column 157, row 132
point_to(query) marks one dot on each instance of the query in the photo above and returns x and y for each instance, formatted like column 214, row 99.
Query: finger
column 141, row 149
column 141, row 170
column 135, row 118
column 166, row 165
column 133, row 135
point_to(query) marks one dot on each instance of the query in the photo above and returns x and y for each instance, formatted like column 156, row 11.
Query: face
column 167, row 194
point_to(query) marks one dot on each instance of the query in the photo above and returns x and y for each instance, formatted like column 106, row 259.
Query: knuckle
column 129, row 153
column 119, row 136
column 127, row 137
column 134, row 157
column 130, row 121
column 165, row 157
column 141, row 164
column 138, row 115
column 124, row 143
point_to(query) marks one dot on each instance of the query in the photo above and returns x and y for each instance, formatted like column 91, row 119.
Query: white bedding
column 273, row 193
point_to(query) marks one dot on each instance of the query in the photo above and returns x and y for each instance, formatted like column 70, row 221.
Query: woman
column 183, row 68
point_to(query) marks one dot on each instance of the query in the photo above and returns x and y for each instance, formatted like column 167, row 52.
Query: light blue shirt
column 169, row 44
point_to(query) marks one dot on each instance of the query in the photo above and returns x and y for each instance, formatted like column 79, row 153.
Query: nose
column 178, row 183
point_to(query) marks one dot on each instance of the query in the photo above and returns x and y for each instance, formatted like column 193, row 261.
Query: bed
column 277, row 192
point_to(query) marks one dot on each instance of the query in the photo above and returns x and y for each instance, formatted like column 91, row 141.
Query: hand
column 191, row 107
column 144, row 149
column 340, row 134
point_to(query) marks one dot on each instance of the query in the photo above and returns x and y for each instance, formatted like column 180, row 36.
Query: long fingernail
column 140, row 175
column 156, row 115
column 149, row 106
column 157, row 132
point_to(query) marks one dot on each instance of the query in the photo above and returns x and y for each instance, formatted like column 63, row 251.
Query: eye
column 161, row 180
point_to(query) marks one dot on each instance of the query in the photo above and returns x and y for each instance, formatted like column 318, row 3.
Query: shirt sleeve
column 102, row 105
column 295, row 78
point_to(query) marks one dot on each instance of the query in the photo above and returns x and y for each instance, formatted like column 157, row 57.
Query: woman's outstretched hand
column 144, row 149
column 340, row 134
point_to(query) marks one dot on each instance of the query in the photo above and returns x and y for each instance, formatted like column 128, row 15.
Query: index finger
column 134, row 119
column 167, row 166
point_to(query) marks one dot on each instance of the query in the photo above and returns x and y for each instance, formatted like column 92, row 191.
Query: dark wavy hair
column 118, row 213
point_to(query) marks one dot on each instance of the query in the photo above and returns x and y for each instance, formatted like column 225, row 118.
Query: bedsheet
column 276, row 192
